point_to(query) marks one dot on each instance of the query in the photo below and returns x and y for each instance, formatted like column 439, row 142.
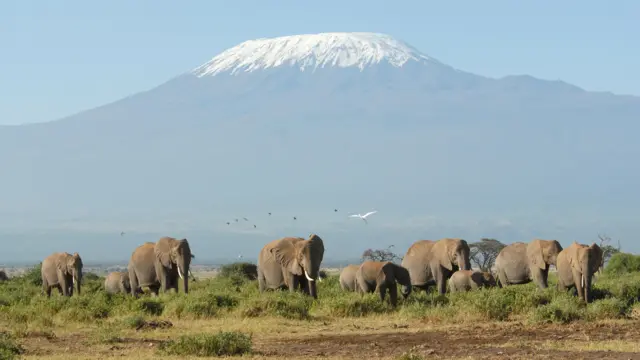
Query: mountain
column 300, row 125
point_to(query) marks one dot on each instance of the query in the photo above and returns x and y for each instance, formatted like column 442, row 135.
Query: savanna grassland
column 226, row 315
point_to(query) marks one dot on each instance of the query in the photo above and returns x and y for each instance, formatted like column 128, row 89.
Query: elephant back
column 416, row 261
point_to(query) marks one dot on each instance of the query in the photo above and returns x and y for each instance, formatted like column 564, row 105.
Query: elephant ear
column 162, row 250
column 534, row 254
column 597, row 253
column 573, row 256
column 445, row 252
column 61, row 262
column 286, row 255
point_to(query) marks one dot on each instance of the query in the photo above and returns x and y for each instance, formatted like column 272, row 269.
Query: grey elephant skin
column 467, row 280
column 159, row 265
column 348, row 277
column 291, row 262
column 521, row 263
column 380, row 276
column 433, row 262
column 576, row 266
column 117, row 282
column 62, row 271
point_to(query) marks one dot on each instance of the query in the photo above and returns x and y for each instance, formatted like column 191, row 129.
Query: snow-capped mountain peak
column 312, row 51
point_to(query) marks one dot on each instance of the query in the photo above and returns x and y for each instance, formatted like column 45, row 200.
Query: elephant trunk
column 76, row 281
column 463, row 261
column 313, row 290
column 183, row 272
column 586, row 278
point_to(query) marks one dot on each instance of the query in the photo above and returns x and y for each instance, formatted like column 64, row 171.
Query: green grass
column 206, row 345
column 24, row 309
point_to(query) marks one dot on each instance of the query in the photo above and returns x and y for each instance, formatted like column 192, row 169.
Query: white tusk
column 307, row 275
column 582, row 280
column 180, row 273
column 74, row 280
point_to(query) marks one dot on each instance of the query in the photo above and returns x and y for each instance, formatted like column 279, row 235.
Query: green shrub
column 610, row 308
column 563, row 309
column 622, row 263
column 220, row 344
column 282, row 304
column 9, row 348
column 242, row 269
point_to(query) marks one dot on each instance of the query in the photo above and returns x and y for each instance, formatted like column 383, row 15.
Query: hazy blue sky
column 62, row 57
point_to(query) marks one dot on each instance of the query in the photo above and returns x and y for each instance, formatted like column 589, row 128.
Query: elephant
column 291, row 262
column 433, row 262
column 348, row 277
column 576, row 266
column 117, row 282
column 381, row 276
column 521, row 263
column 158, row 265
column 61, row 270
column 466, row 280
column 3, row 276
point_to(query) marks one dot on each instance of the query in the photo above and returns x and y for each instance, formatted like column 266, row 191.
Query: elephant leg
column 441, row 281
column 393, row 294
column 62, row 282
column 46, row 289
column 502, row 278
column 161, row 276
column 577, row 279
column 133, row 282
column 382, row 290
column 538, row 278
column 262, row 282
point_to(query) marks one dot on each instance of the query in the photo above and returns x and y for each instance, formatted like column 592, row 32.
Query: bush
column 220, row 344
column 9, row 348
column 623, row 263
column 242, row 269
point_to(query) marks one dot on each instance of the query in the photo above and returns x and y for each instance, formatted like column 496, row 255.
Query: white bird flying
column 364, row 217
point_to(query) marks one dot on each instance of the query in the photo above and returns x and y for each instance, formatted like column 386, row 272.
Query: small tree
column 608, row 250
column 484, row 253
column 380, row 255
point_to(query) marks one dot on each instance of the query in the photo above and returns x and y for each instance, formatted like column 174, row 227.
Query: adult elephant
column 467, row 280
column 61, row 270
column 117, row 282
column 380, row 276
column 291, row 262
column 433, row 262
column 521, row 263
column 348, row 277
column 576, row 266
column 158, row 265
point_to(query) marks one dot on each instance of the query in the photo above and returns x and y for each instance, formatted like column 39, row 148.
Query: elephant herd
column 445, row 263
column 156, row 266
column 293, row 263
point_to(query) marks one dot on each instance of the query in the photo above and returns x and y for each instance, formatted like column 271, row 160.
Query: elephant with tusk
column 117, row 282
column 348, row 277
column 576, row 266
column 380, row 276
column 159, row 265
column 433, row 262
column 466, row 280
column 291, row 262
column 61, row 270
column 520, row 263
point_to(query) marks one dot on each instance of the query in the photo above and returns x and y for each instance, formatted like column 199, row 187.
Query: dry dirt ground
column 360, row 339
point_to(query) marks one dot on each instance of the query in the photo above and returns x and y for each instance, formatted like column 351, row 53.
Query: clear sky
column 61, row 57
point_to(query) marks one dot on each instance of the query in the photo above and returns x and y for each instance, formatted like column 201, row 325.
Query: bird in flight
column 254, row 226
column 245, row 219
column 240, row 256
column 236, row 220
column 295, row 218
column 122, row 233
column 228, row 223
column 269, row 214
column 364, row 217
column 335, row 210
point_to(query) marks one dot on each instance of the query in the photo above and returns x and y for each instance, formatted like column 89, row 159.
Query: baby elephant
column 382, row 275
column 348, row 277
column 117, row 282
column 465, row 280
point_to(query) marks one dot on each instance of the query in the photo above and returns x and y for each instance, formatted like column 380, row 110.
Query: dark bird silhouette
column 335, row 210
column 254, row 226
column 245, row 219
column 236, row 220
column 295, row 218
column 122, row 233
column 228, row 223
column 269, row 214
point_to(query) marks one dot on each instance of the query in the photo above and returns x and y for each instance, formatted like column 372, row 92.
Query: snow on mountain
column 359, row 49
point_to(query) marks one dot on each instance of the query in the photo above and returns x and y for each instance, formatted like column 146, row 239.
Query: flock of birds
column 360, row 216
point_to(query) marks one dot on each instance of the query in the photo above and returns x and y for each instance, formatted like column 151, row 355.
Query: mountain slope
column 301, row 124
